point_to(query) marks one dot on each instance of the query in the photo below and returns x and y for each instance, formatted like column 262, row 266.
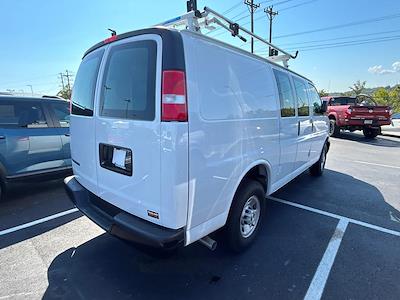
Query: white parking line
column 373, row 164
column 317, row 286
column 42, row 220
column 328, row 214
column 320, row 278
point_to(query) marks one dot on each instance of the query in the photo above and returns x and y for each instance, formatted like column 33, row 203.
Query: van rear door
column 82, row 128
column 128, row 126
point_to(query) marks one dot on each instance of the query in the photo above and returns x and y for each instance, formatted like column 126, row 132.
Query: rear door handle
column 2, row 137
column 67, row 134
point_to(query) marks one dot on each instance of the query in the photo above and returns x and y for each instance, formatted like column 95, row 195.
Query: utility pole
column 67, row 75
column 30, row 85
column 62, row 80
column 271, row 15
column 252, row 8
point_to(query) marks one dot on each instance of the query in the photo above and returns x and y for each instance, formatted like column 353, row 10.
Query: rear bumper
column 120, row 223
column 361, row 122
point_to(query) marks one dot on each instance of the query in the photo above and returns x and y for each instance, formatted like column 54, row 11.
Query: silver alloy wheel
column 250, row 216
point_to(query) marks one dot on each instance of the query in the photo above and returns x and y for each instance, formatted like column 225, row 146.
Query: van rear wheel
column 245, row 216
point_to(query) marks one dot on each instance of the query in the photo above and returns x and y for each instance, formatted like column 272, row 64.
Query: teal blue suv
column 34, row 139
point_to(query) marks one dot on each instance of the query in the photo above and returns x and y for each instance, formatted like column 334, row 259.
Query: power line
column 297, row 5
column 343, row 44
column 383, row 18
column 339, row 38
column 232, row 8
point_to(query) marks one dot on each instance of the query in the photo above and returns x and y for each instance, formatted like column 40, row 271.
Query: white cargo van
column 175, row 135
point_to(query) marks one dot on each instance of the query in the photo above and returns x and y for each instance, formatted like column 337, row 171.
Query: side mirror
column 324, row 107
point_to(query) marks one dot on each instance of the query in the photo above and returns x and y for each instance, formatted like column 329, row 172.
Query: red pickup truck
column 357, row 113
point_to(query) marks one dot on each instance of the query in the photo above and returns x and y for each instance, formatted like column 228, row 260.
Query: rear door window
column 22, row 114
column 286, row 97
column 128, row 88
column 85, row 84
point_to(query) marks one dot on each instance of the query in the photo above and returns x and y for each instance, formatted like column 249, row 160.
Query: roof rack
column 194, row 20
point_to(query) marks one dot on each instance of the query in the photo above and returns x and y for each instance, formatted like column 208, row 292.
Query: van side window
column 85, row 84
column 129, row 83
column 286, row 97
column 315, row 100
column 22, row 114
column 303, row 108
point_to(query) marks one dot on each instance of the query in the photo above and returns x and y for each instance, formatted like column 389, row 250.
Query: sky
column 339, row 41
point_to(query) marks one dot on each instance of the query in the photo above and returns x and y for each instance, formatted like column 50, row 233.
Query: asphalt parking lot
column 337, row 236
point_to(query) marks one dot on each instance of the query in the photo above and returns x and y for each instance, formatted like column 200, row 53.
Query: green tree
column 65, row 93
column 383, row 96
column 358, row 87
column 323, row 93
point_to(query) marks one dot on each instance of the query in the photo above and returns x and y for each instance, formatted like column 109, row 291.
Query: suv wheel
column 370, row 133
column 318, row 168
column 245, row 216
column 334, row 130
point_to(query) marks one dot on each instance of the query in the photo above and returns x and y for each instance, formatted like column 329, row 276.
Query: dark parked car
column 34, row 139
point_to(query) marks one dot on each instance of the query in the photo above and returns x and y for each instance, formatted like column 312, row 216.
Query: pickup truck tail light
column 173, row 97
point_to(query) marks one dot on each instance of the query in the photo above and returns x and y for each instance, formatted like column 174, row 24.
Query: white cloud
column 379, row 70
column 396, row 66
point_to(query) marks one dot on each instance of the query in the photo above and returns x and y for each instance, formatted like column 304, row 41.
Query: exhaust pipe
column 209, row 243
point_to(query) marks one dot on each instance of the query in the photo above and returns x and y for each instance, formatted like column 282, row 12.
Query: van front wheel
column 245, row 216
column 318, row 168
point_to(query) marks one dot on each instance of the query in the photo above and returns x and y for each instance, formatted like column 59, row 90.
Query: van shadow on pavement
column 378, row 141
column 342, row 194
column 280, row 264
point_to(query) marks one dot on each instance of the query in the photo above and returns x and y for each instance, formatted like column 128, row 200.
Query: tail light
column 173, row 99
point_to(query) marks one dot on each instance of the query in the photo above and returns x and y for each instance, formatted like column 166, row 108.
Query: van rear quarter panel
column 233, row 123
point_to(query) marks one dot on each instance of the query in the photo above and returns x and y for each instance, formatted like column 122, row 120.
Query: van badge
column 152, row 214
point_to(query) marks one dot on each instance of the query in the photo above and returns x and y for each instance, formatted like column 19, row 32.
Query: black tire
column 249, row 190
column 318, row 168
column 334, row 130
column 2, row 189
column 370, row 133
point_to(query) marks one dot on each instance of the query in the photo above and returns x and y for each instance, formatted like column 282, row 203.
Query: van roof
column 165, row 33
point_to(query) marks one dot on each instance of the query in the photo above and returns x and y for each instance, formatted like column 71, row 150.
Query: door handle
column 298, row 128
column 67, row 134
column 2, row 137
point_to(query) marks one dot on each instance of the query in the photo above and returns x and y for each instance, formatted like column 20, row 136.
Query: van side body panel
column 233, row 123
